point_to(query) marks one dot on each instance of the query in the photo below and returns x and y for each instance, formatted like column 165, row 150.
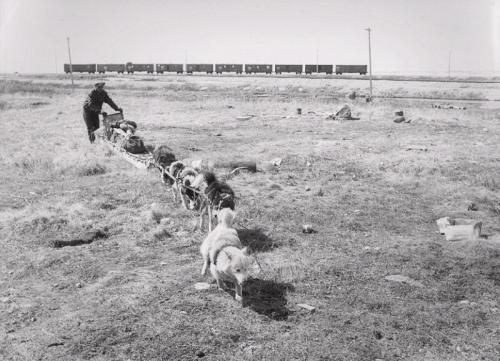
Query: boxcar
column 282, row 68
column 80, row 68
column 132, row 68
column 197, row 68
column 258, row 68
column 321, row 68
column 361, row 69
column 102, row 68
column 229, row 68
column 169, row 68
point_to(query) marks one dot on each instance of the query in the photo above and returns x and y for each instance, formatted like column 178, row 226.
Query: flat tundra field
column 371, row 188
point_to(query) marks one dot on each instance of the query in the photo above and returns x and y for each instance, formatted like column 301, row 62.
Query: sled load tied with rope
column 119, row 136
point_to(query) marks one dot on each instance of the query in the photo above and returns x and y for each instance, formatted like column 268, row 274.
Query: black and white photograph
column 280, row 180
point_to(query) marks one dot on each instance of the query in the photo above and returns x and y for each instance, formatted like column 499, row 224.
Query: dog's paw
column 238, row 298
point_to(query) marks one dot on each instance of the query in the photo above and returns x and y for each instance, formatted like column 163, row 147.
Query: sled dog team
column 221, row 250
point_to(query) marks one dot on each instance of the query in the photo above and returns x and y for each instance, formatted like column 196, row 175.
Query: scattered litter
column 307, row 307
column 299, row 111
column 203, row 88
column 459, row 229
column 230, row 106
column 472, row 207
column 404, row 279
column 443, row 223
column 238, row 165
column 200, row 354
column 194, row 149
column 85, row 238
column 352, row 95
column 343, row 114
column 464, row 302
column 277, row 162
column 217, row 134
column 399, row 119
column 399, row 113
column 448, row 106
column 244, row 117
column 417, row 147
column 307, row 228
column 200, row 286
column 165, row 221
column 463, row 232
column 53, row 344
column 307, row 188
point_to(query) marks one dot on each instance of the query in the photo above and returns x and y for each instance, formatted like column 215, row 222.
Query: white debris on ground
column 200, row 286
column 404, row 279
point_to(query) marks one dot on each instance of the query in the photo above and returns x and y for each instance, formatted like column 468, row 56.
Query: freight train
column 132, row 68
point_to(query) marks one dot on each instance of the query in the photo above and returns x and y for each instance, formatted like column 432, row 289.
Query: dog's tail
column 226, row 217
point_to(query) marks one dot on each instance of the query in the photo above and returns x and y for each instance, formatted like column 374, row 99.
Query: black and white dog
column 217, row 195
column 175, row 169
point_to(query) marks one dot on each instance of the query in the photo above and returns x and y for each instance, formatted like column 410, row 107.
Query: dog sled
column 117, row 133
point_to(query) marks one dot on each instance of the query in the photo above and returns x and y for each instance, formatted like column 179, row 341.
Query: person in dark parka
column 92, row 107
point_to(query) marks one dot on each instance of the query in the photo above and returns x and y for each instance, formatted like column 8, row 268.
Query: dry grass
column 373, row 202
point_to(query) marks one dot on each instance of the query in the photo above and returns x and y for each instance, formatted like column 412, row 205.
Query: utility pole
column 70, row 65
column 370, row 60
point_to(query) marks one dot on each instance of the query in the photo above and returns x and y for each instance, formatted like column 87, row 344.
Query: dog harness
column 218, row 252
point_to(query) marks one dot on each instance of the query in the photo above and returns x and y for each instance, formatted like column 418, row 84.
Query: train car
column 281, row 68
column 229, row 68
column 321, row 68
column 80, row 68
column 361, row 69
column 199, row 68
column 132, row 68
column 103, row 68
column 258, row 68
column 169, row 68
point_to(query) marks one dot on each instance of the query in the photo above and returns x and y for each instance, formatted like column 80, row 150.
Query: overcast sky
column 409, row 36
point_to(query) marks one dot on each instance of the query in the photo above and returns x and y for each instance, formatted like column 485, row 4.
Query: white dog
column 223, row 253
column 186, row 178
